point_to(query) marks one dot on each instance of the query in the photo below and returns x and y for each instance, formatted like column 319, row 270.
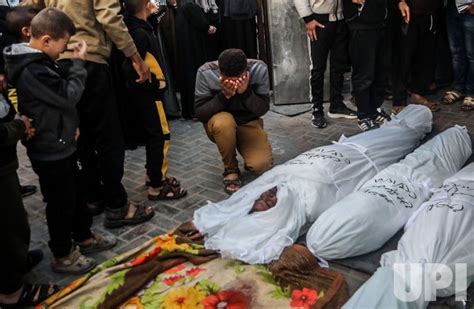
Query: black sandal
column 228, row 182
column 33, row 294
column 170, row 185
column 116, row 218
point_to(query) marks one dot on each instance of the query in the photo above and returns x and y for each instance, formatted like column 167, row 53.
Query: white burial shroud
column 367, row 218
column 307, row 186
column 441, row 232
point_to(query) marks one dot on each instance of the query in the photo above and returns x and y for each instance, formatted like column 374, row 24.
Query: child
column 146, row 101
column 48, row 96
column 367, row 22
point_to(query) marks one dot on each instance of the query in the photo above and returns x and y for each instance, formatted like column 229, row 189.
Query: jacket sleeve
column 257, row 104
column 196, row 17
column 56, row 91
column 11, row 132
column 108, row 15
column 304, row 8
column 206, row 103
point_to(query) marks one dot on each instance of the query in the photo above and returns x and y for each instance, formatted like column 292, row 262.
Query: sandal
column 115, row 218
column 467, row 104
column 231, row 182
column 99, row 243
column 33, row 259
column 171, row 190
column 434, row 107
column 32, row 295
column 75, row 263
column 451, row 97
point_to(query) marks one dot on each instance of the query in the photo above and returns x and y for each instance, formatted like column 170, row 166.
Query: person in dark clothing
column 231, row 96
column 192, row 31
column 328, row 34
column 367, row 21
column 237, row 26
column 16, row 260
column 48, row 96
column 418, row 43
column 149, row 117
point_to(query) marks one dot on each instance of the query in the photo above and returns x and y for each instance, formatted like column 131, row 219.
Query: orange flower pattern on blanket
column 183, row 298
column 227, row 299
column 195, row 271
column 173, row 280
column 146, row 257
column 168, row 242
column 175, row 269
column 303, row 298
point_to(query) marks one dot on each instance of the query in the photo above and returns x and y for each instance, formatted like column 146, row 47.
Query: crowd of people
column 72, row 68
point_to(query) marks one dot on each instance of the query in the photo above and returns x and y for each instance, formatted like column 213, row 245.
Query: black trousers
column 66, row 212
column 14, row 235
column 367, row 49
column 418, row 61
column 101, row 148
column 332, row 40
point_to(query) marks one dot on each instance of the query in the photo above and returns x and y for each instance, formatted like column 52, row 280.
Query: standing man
column 231, row 96
column 101, row 147
column 328, row 34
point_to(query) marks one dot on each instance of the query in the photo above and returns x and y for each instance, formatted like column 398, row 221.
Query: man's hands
column 212, row 30
column 80, row 50
column 359, row 2
column 29, row 130
column 311, row 29
column 405, row 10
column 231, row 87
column 142, row 69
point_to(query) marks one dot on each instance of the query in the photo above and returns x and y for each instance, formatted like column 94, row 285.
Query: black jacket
column 424, row 7
column 49, row 96
column 372, row 15
column 10, row 133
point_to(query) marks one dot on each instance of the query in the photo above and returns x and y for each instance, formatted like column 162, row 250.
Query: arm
column 196, row 17
column 206, row 103
column 56, row 91
column 257, row 104
column 11, row 132
column 304, row 9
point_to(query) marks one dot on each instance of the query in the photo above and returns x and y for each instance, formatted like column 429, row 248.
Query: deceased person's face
column 267, row 200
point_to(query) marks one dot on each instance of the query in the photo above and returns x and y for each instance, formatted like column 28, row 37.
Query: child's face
column 151, row 7
column 53, row 48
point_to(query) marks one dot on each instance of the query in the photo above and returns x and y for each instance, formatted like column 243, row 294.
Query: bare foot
column 132, row 208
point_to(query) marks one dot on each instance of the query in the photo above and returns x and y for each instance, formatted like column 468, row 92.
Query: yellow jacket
column 98, row 22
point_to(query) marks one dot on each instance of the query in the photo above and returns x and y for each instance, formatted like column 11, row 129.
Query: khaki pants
column 249, row 139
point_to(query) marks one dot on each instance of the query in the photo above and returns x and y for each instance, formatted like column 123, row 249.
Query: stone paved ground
column 195, row 161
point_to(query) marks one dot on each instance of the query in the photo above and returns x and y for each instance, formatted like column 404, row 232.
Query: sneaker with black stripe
column 367, row 124
column 381, row 116
column 342, row 112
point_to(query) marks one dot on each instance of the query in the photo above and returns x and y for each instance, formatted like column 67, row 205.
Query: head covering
column 208, row 5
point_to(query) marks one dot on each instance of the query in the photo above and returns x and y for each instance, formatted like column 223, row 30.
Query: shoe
column 343, row 112
column 74, row 263
column 367, row 124
column 28, row 190
column 318, row 120
column 99, row 243
column 381, row 116
column 468, row 104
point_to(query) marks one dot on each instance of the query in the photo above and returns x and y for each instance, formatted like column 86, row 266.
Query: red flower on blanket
column 173, row 280
column 303, row 299
column 175, row 269
column 145, row 258
column 227, row 299
column 193, row 272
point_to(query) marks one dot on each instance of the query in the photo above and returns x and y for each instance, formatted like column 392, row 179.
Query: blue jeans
column 461, row 40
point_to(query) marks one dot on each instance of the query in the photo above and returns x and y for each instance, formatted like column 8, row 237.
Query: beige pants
column 249, row 139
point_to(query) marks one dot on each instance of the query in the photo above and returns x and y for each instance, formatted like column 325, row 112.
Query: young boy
column 143, row 101
column 367, row 22
column 48, row 96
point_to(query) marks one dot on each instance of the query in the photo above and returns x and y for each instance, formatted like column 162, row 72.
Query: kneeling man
column 231, row 96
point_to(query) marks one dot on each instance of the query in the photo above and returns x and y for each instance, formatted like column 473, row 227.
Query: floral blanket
column 167, row 273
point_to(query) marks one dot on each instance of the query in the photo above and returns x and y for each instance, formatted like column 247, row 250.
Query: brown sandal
column 231, row 182
column 170, row 185
column 451, row 97
column 468, row 104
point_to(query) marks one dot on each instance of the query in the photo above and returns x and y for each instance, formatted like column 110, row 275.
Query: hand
column 80, row 50
column 142, row 69
column 359, row 2
column 29, row 130
column 405, row 10
column 228, row 87
column 3, row 82
column 212, row 30
column 243, row 83
column 78, row 133
column 471, row 9
column 311, row 29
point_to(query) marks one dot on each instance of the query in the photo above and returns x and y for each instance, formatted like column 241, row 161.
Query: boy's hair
column 52, row 22
column 19, row 17
column 232, row 62
column 134, row 7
